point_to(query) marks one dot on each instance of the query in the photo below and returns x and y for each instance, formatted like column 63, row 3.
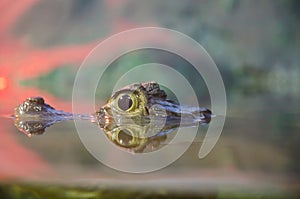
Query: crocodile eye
column 126, row 102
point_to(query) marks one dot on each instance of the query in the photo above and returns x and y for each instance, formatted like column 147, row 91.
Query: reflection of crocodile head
column 137, row 117
column 134, row 138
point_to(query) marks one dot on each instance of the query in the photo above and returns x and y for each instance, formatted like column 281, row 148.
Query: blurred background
column 255, row 45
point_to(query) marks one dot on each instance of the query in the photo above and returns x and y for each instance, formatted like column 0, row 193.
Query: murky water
column 256, row 159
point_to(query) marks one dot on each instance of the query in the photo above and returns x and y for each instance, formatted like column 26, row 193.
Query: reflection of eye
column 126, row 102
column 125, row 138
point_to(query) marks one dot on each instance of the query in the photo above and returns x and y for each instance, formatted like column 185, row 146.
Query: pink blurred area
column 20, row 60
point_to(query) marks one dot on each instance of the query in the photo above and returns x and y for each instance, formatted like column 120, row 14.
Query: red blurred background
column 20, row 60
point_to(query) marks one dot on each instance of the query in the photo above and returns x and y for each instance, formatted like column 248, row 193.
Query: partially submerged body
column 135, row 117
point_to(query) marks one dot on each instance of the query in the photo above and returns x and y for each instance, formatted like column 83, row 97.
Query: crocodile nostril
column 207, row 115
